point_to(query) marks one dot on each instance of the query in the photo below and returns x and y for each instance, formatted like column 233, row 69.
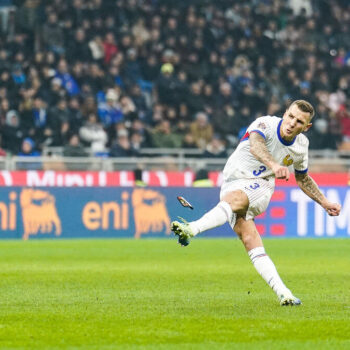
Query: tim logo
column 39, row 213
column 150, row 213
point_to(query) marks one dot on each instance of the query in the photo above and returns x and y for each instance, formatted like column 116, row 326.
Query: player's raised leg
column 251, row 239
column 224, row 211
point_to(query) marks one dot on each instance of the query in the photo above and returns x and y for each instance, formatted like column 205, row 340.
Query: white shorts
column 259, row 192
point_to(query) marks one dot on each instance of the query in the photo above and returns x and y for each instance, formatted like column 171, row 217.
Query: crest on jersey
column 262, row 125
column 287, row 160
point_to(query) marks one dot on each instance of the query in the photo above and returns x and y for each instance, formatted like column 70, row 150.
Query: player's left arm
column 311, row 189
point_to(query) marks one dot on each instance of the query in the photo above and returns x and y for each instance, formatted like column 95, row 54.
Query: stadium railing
column 187, row 152
column 109, row 164
column 157, row 159
column 150, row 152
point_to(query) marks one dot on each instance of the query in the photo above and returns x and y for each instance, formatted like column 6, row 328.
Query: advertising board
column 126, row 212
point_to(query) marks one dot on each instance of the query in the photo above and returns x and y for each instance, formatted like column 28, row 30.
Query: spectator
column 132, row 70
column 110, row 47
column 122, row 147
column 12, row 134
column 128, row 109
column 97, row 50
column 75, row 115
column 52, row 34
column 28, row 15
column 195, row 100
column 188, row 141
column 138, row 127
column 150, row 68
column 68, row 82
column 215, row 148
column 139, row 100
column 28, row 148
column 58, row 123
column 226, row 122
column 78, row 48
column 166, row 84
column 18, row 75
column 343, row 115
column 201, row 130
column 93, row 135
column 136, row 141
column 74, row 148
column 95, row 78
column 163, row 136
column 6, row 81
column 319, row 138
column 4, row 109
column 109, row 112
column 25, row 109
column 183, row 59
column 40, row 118
column 225, row 96
column 55, row 92
column 89, row 106
column 140, row 32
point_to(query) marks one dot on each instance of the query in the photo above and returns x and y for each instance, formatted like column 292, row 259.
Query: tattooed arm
column 259, row 150
column 310, row 188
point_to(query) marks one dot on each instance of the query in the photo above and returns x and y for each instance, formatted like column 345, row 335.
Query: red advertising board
column 34, row 178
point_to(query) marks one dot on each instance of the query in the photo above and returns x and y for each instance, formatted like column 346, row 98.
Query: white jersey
column 243, row 165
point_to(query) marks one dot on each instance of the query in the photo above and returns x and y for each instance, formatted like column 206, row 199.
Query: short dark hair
column 305, row 107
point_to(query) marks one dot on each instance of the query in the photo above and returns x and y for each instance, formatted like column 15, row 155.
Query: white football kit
column 244, row 172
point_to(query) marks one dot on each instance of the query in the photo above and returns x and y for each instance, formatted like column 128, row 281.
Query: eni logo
column 8, row 213
column 149, row 209
column 150, row 213
column 287, row 160
column 39, row 213
column 100, row 216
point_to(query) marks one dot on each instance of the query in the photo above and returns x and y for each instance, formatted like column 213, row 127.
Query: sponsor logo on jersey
column 287, row 160
column 262, row 125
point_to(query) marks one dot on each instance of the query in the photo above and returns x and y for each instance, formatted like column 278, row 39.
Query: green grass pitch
column 153, row 294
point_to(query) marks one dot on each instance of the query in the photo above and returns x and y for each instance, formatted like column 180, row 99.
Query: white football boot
column 289, row 299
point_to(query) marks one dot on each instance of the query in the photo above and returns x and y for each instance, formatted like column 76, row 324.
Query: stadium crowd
column 126, row 74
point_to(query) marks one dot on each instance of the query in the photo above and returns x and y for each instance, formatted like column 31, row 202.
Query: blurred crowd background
column 116, row 76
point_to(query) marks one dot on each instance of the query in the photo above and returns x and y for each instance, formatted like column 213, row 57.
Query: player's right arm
column 259, row 150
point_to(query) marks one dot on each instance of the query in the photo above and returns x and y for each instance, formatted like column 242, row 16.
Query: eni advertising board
column 90, row 212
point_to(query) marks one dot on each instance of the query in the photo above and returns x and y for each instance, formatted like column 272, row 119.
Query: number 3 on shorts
column 254, row 186
column 258, row 172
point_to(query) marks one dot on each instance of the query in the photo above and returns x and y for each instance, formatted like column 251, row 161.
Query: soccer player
column 269, row 146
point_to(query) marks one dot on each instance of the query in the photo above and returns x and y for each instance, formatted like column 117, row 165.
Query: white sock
column 213, row 218
column 267, row 270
